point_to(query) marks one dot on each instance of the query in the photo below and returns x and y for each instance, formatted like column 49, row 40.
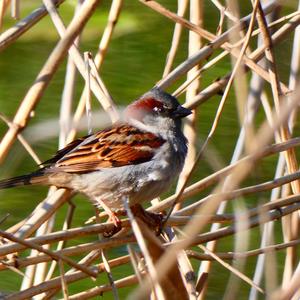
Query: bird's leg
column 153, row 220
column 112, row 217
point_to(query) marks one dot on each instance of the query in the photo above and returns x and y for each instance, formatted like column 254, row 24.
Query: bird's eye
column 157, row 109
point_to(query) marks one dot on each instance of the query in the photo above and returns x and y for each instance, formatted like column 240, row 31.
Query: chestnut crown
column 156, row 103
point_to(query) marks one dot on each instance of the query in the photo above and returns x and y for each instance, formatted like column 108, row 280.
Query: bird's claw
column 117, row 225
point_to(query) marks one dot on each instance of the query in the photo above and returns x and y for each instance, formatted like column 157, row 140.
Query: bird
column 137, row 158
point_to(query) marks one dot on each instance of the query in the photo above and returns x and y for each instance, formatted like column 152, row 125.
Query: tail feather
column 33, row 178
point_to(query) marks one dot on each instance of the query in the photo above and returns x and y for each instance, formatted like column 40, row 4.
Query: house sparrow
column 137, row 158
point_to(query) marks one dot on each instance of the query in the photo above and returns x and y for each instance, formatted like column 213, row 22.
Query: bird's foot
column 117, row 225
column 112, row 217
column 153, row 220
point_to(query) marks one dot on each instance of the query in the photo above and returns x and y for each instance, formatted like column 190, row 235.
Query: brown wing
column 113, row 147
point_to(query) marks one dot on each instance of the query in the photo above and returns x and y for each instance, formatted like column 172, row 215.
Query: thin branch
column 43, row 79
column 13, row 33
column 52, row 254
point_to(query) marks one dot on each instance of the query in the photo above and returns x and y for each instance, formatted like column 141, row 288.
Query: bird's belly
column 114, row 186
column 149, row 191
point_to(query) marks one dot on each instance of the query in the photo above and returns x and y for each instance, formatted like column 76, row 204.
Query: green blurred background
column 134, row 62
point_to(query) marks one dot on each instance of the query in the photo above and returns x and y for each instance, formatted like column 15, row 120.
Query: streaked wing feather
column 113, row 147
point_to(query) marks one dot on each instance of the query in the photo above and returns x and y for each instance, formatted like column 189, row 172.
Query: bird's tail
column 33, row 178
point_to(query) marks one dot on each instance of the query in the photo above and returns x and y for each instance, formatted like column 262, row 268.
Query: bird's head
column 157, row 111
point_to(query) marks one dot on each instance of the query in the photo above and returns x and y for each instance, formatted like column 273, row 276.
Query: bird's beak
column 181, row 112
